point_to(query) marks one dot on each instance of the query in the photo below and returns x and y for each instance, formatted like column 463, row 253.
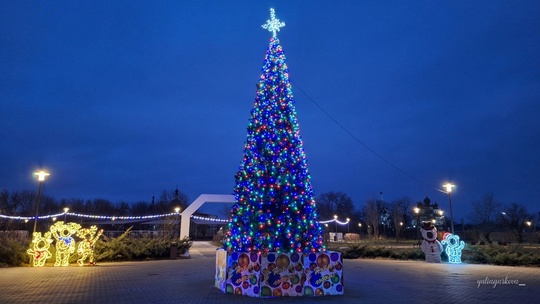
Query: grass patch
column 12, row 253
column 370, row 251
column 515, row 255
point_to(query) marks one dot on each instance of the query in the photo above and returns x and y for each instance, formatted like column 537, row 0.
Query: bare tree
column 140, row 208
column 514, row 217
column 225, row 210
column 49, row 205
column 101, row 206
column 169, row 200
column 372, row 215
column 384, row 216
column 484, row 215
column 335, row 203
column 8, row 207
column 398, row 210
column 75, row 205
column 6, row 203
column 25, row 202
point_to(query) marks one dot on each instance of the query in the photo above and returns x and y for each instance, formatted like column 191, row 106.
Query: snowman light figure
column 453, row 247
column 431, row 247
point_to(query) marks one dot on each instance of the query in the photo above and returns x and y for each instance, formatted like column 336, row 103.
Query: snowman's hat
column 427, row 225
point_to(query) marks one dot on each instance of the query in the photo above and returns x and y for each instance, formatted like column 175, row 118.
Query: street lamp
column 417, row 211
column 65, row 213
column 349, row 231
column 41, row 178
column 335, row 222
column 449, row 187
column 439, row 219
column 177, row 210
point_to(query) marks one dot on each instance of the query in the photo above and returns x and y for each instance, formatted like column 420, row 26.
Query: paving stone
column 192, row 281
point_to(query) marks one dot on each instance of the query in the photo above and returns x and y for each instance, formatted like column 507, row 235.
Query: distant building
column 429, row 213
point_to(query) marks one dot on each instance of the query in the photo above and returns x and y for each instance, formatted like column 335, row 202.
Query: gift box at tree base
column 273, row 274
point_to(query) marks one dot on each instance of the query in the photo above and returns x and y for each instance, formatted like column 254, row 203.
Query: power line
column 361, row 142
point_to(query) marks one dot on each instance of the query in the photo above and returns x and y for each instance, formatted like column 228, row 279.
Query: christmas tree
column 275, row 209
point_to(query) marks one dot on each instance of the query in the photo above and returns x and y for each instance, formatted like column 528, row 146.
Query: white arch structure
column 203, row 198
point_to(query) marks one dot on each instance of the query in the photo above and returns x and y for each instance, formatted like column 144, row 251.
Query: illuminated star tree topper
column 273, row 25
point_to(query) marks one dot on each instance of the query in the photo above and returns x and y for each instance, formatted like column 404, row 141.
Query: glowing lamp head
column 348, row 220
column 335, row 217
column 66, row 210
column 448, row 187
column 416, row 210
column 177, row 209
column 41, row 175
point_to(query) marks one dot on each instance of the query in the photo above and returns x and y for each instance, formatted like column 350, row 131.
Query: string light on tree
column 275, row 208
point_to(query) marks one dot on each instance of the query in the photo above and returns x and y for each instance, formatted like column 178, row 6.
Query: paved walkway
column 191, row 281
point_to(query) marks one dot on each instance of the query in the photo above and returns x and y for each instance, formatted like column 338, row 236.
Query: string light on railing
column 139, row 217
column 210, row 219
column 334, row 220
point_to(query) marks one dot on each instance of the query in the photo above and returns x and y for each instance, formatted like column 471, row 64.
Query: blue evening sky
column 122, row 99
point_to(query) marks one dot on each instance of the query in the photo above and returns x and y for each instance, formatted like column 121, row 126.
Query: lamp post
column 528, row 223
column 440, row 220
column 41, row 178
column 335, row 222
column 65, row 213
column 417, row 211
column 349, row 230
column 449, row 187
column 177, row 210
